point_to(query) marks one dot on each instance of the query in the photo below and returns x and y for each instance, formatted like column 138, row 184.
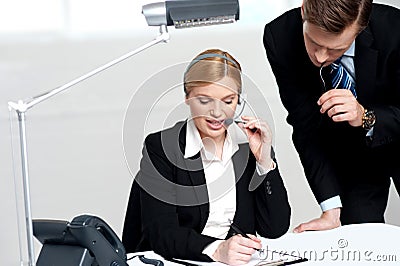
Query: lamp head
column 191, row 13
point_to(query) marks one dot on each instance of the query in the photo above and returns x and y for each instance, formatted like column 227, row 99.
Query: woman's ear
column 302, row 11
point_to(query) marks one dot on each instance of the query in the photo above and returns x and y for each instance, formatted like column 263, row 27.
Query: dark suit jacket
column 174, row 200
column 336, row 156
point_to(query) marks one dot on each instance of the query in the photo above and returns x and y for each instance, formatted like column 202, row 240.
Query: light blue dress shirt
column 348, row 63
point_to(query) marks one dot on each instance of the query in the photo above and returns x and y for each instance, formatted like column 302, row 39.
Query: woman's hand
column 260, row 139
column 237, row 250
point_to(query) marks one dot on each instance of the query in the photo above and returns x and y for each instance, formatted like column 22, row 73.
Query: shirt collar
column 351, row 50
column 193, row 140
column 194, row 144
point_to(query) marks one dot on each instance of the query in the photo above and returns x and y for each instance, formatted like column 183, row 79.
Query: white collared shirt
column 220, row 180
column 348, row 61
column 219, row 175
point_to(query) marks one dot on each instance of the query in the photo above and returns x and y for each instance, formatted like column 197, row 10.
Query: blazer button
column 268, row 188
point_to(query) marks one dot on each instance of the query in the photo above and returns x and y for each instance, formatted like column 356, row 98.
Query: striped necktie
column 341, row 78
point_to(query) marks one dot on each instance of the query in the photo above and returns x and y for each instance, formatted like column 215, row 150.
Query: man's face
column 323, row 47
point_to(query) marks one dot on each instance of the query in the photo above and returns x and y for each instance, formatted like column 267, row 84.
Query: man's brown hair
column 335, row 16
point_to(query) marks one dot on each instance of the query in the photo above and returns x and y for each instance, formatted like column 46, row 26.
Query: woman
column 201, row 174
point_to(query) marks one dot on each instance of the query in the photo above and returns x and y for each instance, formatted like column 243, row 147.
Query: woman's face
column 210, row 105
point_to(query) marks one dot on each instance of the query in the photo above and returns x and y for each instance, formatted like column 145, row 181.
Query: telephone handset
column 85, row 241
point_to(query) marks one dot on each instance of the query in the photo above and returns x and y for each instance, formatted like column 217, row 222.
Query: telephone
column 85, row 241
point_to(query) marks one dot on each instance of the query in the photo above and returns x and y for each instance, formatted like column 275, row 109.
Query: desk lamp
column 179, row 13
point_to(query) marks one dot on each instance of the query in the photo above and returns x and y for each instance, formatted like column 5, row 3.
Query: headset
column 242, row 96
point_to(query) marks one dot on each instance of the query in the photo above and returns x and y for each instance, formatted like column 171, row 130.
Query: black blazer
column 174, row 208
column 335, row 155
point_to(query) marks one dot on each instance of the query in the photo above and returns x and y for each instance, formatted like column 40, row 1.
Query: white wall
column 76, row 158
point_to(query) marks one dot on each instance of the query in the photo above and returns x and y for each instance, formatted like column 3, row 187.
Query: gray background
column 75, row 140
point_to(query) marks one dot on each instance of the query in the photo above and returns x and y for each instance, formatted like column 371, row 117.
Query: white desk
column 361, row 244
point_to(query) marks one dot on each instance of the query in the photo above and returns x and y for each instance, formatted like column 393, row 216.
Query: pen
column 181, row 262
column 295, row 261
column 237, row 230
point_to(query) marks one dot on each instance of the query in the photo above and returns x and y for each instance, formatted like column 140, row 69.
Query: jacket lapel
column 365, row 63
column 240, row 159
column 243, row 200
column 194, row 169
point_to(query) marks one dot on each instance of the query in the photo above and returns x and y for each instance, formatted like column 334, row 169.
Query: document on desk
column 255, row 261
column 356, row 244
column 252, row 262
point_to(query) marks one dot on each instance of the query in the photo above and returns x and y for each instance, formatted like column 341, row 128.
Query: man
column 347, row 139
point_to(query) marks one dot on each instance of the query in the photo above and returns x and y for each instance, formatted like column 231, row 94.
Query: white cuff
column 331, row 203
column 211, row 248
column 262, row 171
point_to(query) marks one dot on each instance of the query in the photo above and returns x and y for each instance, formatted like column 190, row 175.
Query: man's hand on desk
column 237, row 250
column 329, row 219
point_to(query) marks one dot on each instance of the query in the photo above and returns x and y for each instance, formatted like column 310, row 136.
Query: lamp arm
column 23, row 106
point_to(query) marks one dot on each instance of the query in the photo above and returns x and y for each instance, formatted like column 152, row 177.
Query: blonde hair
column 209, row 67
